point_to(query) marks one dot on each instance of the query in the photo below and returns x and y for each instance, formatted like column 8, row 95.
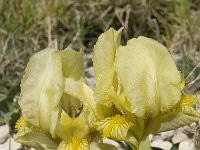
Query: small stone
column 4, row 133
column 187, row 145
column 150, row 137
column 179, row 137
column 10, row 144
column 166, row 135
column 91, row 82
column 193, row 125
column 89, row 72
column 155, row 137
column 111, row 142
column 161, row 144
column 198, row 96
column 88, row 60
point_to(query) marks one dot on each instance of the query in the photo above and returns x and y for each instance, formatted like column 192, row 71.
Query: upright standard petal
column 149, row 76
column 104, row 57
column 73, row 65
column 41, row 89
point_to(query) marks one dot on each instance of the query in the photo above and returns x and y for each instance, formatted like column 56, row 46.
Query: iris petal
column 149, row 77
column 33, row 137
column 75, row 144
column 104, row 57
column 79, row 125
column 116, row 127
column 73, row 65
column 41, row 89
column 182, row 114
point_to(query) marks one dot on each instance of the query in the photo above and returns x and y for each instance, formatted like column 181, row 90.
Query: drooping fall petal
column 116, row 127
column 75, row 144
column 182, row 114
column 33, row 137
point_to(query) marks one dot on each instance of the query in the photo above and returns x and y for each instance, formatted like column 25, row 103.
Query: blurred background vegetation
column 27, row 26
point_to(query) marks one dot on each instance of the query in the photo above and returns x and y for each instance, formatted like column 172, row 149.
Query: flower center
column 20, row 123
column 75, row 144
column 116, row 120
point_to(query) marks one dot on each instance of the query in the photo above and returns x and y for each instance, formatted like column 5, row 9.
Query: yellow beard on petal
column 114, row 120
column 20, row 123
column 75, row 144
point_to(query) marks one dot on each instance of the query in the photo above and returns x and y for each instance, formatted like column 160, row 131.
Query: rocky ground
column 183, row 136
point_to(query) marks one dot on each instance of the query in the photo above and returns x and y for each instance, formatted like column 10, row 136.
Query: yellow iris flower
column 140, row 88
column 138, row 92
column 57, row 105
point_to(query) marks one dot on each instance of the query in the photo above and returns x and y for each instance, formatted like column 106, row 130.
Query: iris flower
column 57, row 105
column 140, row 89
column 138, row 92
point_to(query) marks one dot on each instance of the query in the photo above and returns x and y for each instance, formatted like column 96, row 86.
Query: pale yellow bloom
column 141, row 81
column 57, row 105
column 138, row 92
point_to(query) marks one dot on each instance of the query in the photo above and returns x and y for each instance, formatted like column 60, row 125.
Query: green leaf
column 175, row 147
